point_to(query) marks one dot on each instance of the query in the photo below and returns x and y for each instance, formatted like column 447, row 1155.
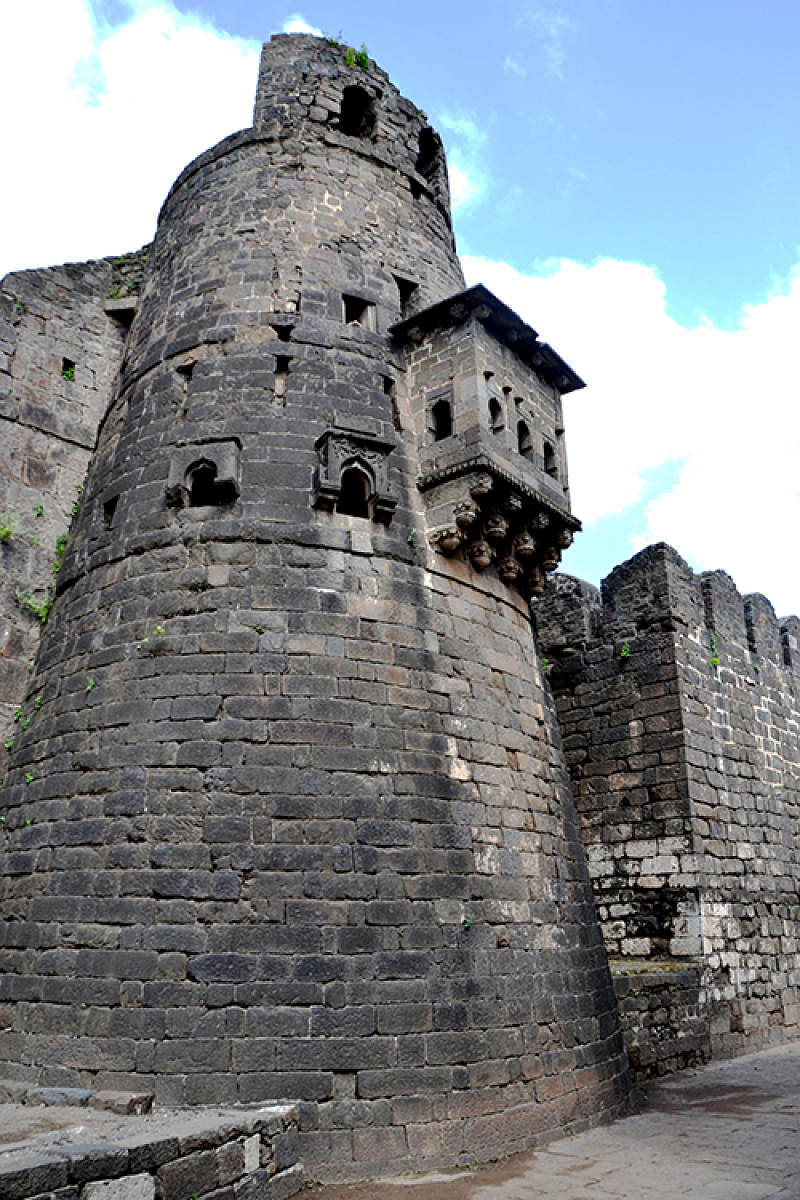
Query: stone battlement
column 677, row 701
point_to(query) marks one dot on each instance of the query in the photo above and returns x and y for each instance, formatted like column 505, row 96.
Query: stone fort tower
column 289, row 816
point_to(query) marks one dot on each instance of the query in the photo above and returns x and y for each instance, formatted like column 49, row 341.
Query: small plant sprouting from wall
column 61, row 546
column 714, row 660
column 356, row 57
column 8, row 523
column 152, row 645
column 625, row 652
column 39, row 608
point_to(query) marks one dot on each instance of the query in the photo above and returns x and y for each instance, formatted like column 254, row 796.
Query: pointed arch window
column 355, row 492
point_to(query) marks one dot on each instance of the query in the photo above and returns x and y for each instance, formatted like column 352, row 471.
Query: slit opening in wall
column 109, row 509
column 185, row 370
column 281, row 376
column 68, row 366
column 354, row 493
column 390, row 390
column 284, row 332
column 442, row 418
column 550, row 460
column 524, row 442
column 496, row 422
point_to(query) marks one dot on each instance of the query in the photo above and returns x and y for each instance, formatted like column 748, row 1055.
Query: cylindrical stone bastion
column 289, row 816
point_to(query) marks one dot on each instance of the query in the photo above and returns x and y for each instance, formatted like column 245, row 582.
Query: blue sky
column 626, row 175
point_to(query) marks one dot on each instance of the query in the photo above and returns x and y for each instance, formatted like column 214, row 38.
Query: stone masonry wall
column 291, row 819
column 61, row 336
column 665, row 1021
column 218, row 1154
column 678, row 703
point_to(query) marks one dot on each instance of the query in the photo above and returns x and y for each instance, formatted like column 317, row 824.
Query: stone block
column 130, row 1187
column 135, row 1103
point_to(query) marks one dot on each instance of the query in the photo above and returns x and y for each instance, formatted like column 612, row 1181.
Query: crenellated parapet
column 679, row 707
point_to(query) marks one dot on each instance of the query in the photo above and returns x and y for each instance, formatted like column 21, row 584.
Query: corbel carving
column 496, row 520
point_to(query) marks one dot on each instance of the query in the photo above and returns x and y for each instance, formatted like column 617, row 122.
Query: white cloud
column 465, row 143
column 512, row 67
column 721, row 405
column 105, row 118
column 297, row 23
column 551, row 25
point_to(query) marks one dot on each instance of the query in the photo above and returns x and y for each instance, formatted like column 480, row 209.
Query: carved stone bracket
column 480, row 511
column 342, row 449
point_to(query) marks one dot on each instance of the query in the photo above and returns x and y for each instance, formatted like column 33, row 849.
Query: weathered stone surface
column 133, row 1187
column 292, row 819
column 677, row 700
column 212, row 1153
column 123, row 1102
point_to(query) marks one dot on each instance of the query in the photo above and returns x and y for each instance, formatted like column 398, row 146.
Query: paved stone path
column 728, row 1131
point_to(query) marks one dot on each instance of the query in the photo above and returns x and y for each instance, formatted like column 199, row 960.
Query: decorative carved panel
column 341, row 449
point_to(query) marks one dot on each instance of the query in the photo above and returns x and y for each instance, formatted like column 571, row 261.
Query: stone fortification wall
column 291, row 819
column 678, row 703
column 61, row 336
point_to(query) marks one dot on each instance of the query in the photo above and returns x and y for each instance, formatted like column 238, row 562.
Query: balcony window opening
column 442, row 415
column 354, row 494
column 550, row 460
column 524, row 443
column 496, row 422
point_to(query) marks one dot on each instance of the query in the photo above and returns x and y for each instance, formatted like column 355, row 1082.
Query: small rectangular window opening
column 356, row 311
column 68, row 369
column 407, row 290
column 109, row 509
